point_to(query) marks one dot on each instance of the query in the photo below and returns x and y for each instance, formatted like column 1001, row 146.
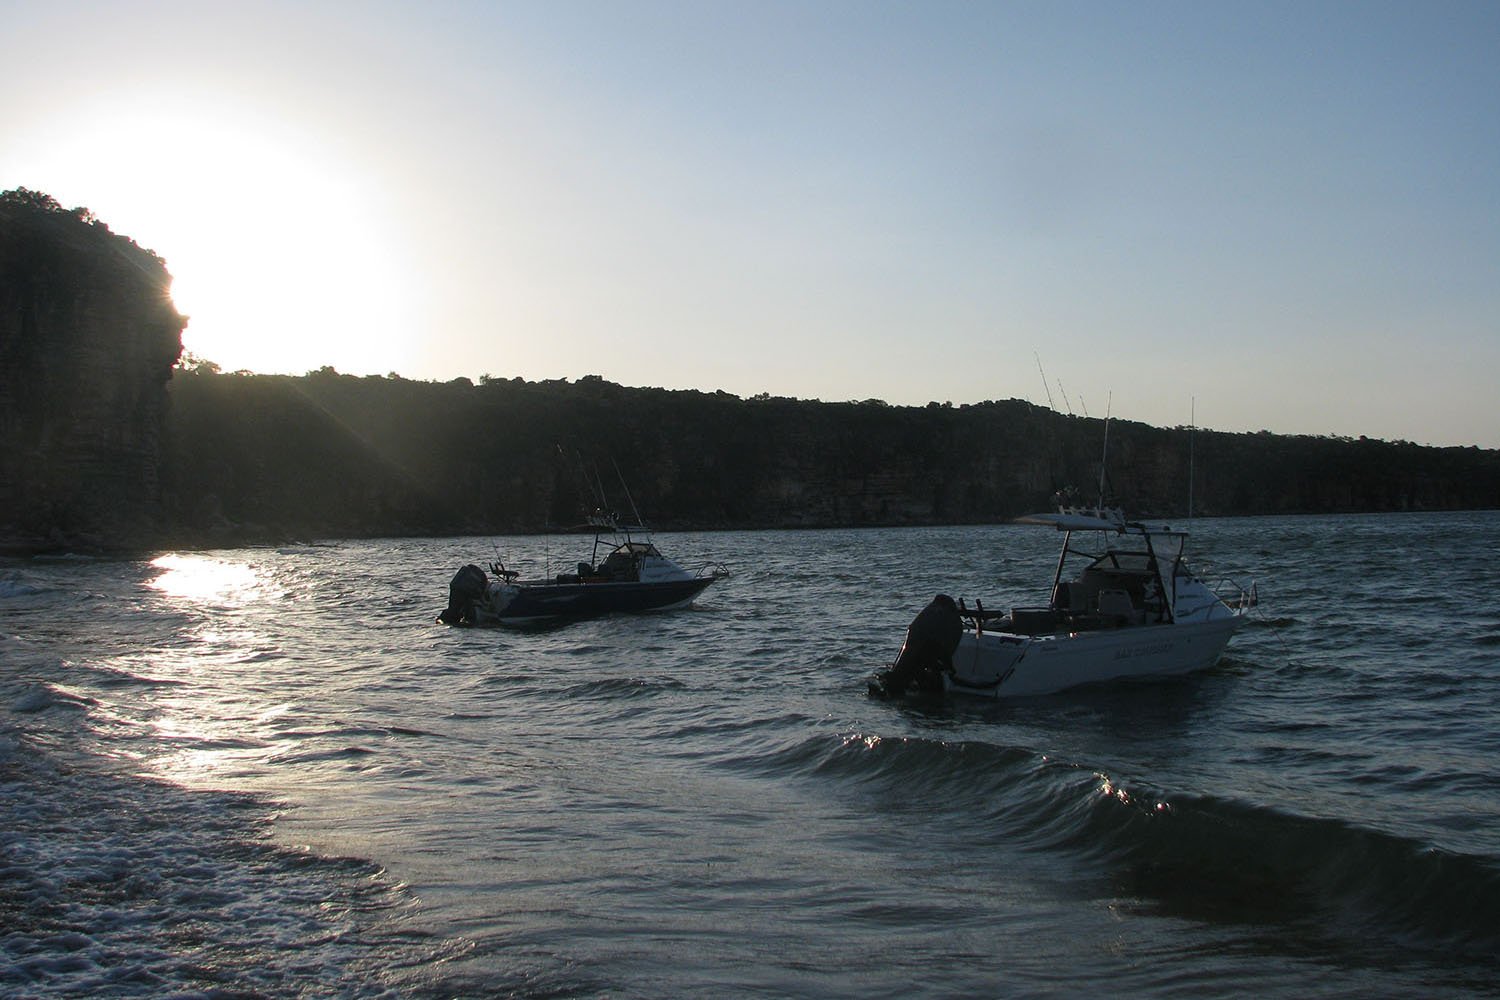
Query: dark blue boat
column 633, row 577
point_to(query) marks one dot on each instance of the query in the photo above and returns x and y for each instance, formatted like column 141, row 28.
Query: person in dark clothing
column 927, row 652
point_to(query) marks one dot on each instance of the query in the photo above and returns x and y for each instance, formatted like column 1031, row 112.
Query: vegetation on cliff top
column 96, row 448
column 328, row 454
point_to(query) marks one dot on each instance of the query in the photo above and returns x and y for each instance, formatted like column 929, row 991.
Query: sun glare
column 204, row 580
column 276, row 248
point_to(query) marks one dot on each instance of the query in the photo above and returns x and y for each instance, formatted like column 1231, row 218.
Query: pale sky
column 1280, row 216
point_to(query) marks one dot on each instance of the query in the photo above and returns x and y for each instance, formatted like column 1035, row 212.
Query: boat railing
column 978, row 614
column 1236, row 595
column 712, row 570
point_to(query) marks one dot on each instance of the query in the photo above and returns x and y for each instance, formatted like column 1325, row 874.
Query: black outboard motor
column 926, row 654
column 466, row 589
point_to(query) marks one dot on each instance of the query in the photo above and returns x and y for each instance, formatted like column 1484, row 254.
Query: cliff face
column 92, row 456
column 88, row 338
column 263, row 456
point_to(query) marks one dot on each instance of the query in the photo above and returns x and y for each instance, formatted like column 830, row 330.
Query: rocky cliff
column 88, row 338
column 92, row 454
column 328, row 454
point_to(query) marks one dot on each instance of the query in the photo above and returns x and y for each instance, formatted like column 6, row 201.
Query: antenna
column 1045, row 388
column 1104, row 459
column 1192, row 422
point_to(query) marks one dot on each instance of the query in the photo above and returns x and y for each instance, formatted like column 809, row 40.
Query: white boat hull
column 1005, row 665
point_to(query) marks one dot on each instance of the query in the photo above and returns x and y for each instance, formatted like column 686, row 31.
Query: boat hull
column 534, row 603
column 1005, row 665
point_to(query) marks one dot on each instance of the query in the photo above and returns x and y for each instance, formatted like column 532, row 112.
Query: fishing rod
column 634, row 512
column 1045, row 387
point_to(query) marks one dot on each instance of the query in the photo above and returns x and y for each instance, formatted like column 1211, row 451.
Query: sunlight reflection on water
column 204, row 579
column 644, row 772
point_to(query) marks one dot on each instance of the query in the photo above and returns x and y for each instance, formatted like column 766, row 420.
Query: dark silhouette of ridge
column 99, row 451
column 338, row 455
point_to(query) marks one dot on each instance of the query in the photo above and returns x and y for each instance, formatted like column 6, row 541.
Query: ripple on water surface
column 706, row 802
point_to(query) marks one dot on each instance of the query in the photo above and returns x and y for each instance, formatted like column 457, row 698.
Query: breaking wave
column 1184, row 854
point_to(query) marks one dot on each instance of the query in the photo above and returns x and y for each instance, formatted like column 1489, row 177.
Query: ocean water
column 267, row 772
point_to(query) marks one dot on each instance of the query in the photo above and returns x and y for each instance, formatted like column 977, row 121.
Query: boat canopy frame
column 1162, row 555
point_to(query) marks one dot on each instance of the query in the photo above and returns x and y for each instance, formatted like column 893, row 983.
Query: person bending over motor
column 927, row 653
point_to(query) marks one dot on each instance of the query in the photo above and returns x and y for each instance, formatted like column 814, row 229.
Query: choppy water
column 265, row 772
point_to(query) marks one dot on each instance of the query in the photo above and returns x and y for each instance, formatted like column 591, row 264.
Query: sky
column 1246, row 216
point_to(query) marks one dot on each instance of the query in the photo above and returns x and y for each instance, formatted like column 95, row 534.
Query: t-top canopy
column 1095, row 519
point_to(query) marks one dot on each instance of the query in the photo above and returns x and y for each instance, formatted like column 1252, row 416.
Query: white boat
column 1123, row 604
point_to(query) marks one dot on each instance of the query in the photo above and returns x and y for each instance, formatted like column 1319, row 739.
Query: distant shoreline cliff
column 328, row 455
column 104, row 446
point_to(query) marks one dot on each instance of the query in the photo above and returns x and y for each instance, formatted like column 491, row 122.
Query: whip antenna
column 1192, row 424
column 1104, row 459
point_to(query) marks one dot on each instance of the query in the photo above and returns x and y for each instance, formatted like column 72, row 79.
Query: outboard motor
column 926, row 654
column 466, row 589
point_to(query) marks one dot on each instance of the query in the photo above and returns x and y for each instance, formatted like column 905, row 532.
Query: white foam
column 40, row 697
column 118, row 885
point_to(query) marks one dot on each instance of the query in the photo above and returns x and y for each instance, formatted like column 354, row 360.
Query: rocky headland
column 105, row 446
column 88, row 338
